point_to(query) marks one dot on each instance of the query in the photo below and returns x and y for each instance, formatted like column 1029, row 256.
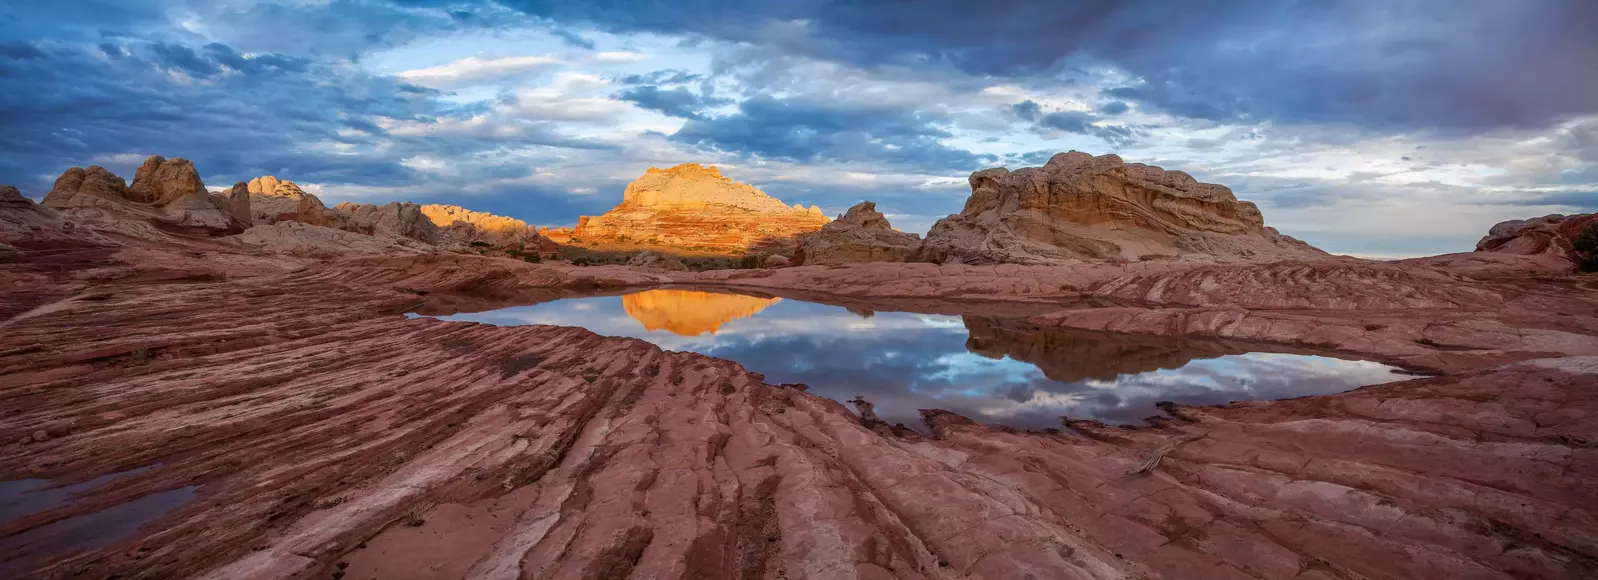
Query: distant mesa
column 691, row 313
column 1081, row 207
column 692, row 206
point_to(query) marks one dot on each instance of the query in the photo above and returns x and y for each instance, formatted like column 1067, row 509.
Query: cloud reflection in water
column 992, row 370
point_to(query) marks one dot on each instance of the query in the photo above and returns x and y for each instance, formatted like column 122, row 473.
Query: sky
column 1370, row 128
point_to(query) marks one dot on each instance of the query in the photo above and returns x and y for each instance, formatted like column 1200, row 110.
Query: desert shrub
column 752, row 261
column 1586, row 247
column 481, row 244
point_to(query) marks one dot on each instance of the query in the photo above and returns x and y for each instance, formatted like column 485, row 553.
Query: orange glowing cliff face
column 690, row 313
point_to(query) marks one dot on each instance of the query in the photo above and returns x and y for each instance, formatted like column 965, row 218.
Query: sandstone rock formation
column 487, row 225
column 236, row 203
column 167, row 193
column 302, row 239
column 1548, row 239
column 1081, row 207
column 24, row 223
column 696, row 207
column 862, row 235
column 273, row 200
column 656, row 261
column 395, row 218
column 690, row 313
column 777, row 261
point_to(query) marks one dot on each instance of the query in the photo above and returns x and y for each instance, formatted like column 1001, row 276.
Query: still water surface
column 991, row 369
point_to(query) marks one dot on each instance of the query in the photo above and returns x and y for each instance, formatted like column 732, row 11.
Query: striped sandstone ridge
column 1081, row 207
column 695, row 206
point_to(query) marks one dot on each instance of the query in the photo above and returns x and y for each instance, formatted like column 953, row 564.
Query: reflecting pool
column 992, row 369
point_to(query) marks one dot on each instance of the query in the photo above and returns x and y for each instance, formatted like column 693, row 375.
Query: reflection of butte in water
column 690, row 313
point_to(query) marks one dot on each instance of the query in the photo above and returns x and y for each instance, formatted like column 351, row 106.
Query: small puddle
column 996, row 369
column 24, row 551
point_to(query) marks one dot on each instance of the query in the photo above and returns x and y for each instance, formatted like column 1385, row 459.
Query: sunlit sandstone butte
column 691, row 313
column 695, row 206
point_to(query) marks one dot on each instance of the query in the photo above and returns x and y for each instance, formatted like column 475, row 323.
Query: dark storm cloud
column 1077, row 122
column 678, row 102
column 1113, row 108
column 235, row 116
column 1389, row 66
column 804, row 131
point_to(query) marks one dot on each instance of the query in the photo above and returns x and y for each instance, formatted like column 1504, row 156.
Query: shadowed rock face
column 403, row 219
column 273, row 200
column 166, row 193
column 1098, row 208
column 656, row 261
column 1067, row 356
column 695, row 206
column 862, row 235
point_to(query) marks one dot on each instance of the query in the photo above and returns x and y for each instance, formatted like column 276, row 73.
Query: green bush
column 526, row 256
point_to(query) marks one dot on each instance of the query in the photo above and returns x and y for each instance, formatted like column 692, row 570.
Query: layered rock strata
column 1549, row 239
column 862, row 234
column 696, row 207
column 274, row 200
column 166, row 194
column 273, row 435
column 1081, row 207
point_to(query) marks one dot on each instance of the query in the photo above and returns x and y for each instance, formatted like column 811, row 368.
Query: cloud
column 475, row 68
column 1077, row 122
column 677, row 102
column 1398, row 66
column 767, row 127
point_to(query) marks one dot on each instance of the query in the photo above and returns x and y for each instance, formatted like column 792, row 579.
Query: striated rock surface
column 399, row 219
column 26, row 224
column 296, row 426
column 274, row 200
column 306, row 240
column 656, row 261
column 862, row 235
column 694, row 206
column 1546, row 239
column 487, row 225
column 1081, row 207
column 689, row 312
column 166, row 193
